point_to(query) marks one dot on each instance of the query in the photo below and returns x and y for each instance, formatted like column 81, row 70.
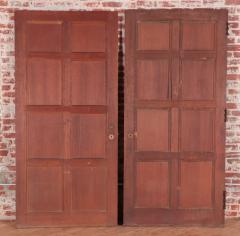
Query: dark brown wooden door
column 66, row 118
column 174, row 117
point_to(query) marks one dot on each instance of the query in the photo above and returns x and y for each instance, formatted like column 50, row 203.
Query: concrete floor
column 232, row 228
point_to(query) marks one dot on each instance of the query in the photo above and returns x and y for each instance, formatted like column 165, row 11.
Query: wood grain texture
column 44, row 36
column 88, row 136
column 44, row 81
column 152, row 126
column 90, row 91
column 156, row 72
column 153, row 35
column 198, row 177
column 152, row 185
column 94, row 39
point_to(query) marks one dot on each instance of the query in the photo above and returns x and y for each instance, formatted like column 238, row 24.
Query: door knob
column 111, row 136
column 132, row 135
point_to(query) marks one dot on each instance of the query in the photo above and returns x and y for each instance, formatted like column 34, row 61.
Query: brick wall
column 7, row 82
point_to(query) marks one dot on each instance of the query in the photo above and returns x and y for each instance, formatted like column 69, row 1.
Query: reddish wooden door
column 174, row 117
column 66, row 118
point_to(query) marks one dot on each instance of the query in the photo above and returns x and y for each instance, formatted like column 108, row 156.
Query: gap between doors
column 120, row 124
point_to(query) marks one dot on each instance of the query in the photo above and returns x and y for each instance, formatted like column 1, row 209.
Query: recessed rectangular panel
column 197, row 130
column 88, row 82
column 89, row 188
column 44, row 36
column 198, row 79
column 153, row 35
column 88, row 136
column 198, row 35
column 152, row 130
column 45, row 135
column 88, row 36
column 152, row 79
column 196, row 186
column 152, row 184
column 44, row 81
column 44, row 189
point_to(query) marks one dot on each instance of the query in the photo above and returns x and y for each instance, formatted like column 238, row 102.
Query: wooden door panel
column 196, row 181
column 198, row 79
column 156, row 73
column 152, row 185
column 192, row 36
column 92, row 181
column 197, row 130
column 153, row 35
column 45, row 189
column 94, row 39
column 88, row 82
column 90, row 133
column 44, row 81
column 45, row 135
column 152, row 130
column 66, row 85
column 174, row 117
column 44, row 36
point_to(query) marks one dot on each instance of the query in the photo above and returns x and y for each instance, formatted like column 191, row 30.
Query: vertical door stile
column 21, row 121
column 112, row 120
column 175, row 42
column 66, row 114
column 129, row 141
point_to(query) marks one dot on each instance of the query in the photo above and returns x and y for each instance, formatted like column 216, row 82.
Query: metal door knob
column 132, row 135
column 111, row 136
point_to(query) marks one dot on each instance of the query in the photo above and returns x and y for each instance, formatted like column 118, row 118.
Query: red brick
column 233, row 47
column 231, row 105
column 233, row 18
column 231, row 213
column 230, row 40
column 6, row 87
column 11, row 187
column 6, row 127
column 91, row 4
column 233, row 77
column 234, row 25
column 236, row 113
column 233, row 91
column 232, row 2
column 236, row 181
column 229, row 134
column 3, row 146
column 8, row 121
column 167, row 4
column 210, row 1
column 3, row 152
column 236, row 54
column 3, row 3
column 9, row 94
column 112, row 4
column 9, row 213
column 10, row 135
column 236, row 32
